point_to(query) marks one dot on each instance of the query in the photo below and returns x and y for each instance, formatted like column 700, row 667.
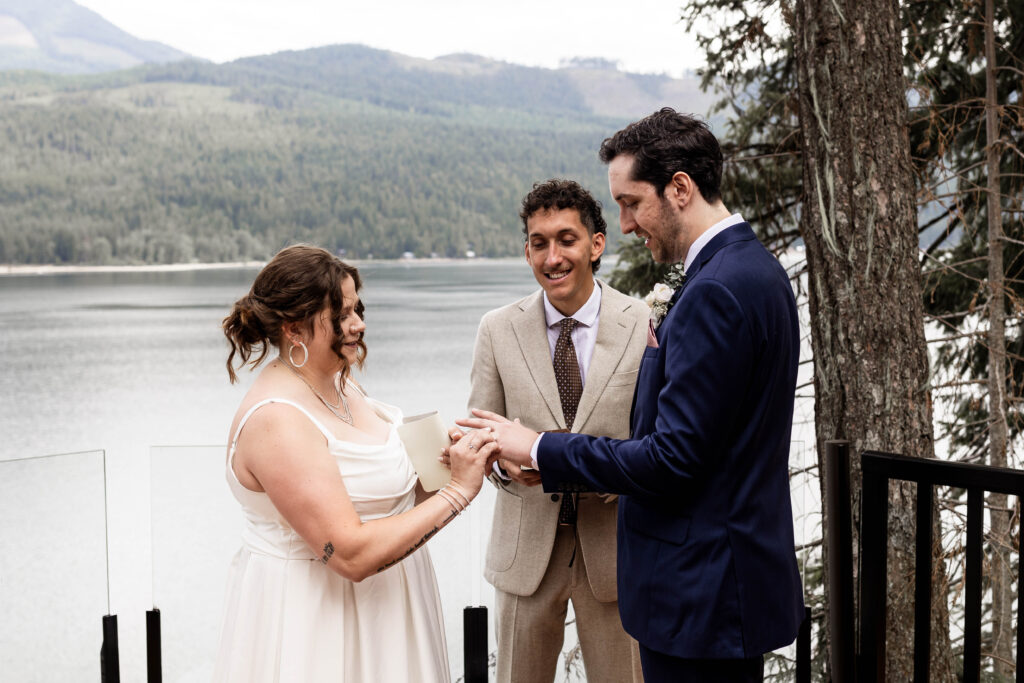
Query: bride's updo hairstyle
column 294, row 287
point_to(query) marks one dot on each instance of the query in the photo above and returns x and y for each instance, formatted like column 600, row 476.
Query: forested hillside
column 347, row 147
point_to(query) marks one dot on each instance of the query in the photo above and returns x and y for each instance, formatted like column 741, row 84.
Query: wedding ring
column 473, row 446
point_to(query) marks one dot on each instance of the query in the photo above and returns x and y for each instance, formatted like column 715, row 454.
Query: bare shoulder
column 278, row 430
column 266, row 387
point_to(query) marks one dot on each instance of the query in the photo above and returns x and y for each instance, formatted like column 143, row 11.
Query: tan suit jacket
column 513, row 375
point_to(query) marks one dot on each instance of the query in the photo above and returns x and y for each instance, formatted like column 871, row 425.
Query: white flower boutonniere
column 660, row 298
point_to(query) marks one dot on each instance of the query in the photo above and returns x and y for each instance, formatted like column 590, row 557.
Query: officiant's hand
column 514, row 440
column 514, row 472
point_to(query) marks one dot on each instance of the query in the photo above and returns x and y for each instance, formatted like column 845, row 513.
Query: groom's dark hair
column 557, row 194
column 665, row 143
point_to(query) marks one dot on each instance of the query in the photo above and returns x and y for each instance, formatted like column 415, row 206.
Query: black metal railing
column 877, row 470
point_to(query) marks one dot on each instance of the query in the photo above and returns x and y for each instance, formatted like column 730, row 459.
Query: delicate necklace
column 343, row 403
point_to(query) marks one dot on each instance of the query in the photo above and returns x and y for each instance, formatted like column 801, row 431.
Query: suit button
column 554, row 497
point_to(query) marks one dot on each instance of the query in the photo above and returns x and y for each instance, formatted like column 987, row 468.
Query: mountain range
column 61, row 36
column 364, row 151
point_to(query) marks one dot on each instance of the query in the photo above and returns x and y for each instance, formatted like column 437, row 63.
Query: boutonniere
column 660, row 298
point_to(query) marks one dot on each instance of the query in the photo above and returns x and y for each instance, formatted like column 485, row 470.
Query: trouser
column 531, row 629
column 662, row 668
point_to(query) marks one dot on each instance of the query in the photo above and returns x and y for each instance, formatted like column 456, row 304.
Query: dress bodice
column 379, row 478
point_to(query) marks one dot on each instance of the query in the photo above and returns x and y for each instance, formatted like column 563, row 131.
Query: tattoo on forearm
column 420, row 542
column 328, row 551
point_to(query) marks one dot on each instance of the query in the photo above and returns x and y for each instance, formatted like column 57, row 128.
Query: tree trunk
column 999, row 541
column 860, row 229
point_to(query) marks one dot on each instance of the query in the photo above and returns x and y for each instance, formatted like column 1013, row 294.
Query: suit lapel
column 531, row 333
column 734, row 233
column 740, row 232
column 613, row 333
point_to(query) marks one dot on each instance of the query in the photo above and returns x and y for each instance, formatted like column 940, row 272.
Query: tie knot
column 567, row 326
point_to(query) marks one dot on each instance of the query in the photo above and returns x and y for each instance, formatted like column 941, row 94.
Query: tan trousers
column 530, row 629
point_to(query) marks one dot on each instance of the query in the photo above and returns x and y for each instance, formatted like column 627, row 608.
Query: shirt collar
column 586, row 315
column 707, row 236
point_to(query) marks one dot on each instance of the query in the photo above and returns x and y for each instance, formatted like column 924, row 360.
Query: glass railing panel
column 458, row 556
column 53, row 567
column 195, row 526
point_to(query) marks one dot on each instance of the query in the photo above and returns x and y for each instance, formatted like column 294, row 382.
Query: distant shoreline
column 52, row 269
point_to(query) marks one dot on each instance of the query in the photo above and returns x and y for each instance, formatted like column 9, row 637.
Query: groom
column 707, row 575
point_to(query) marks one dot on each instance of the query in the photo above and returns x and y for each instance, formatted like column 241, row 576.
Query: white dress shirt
column 706, row 237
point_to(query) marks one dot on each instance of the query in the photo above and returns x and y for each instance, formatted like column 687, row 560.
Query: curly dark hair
column 665, row 143
column 559, row 193
column 295, row 286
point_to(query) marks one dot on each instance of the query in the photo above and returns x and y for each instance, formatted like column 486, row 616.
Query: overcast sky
column 642, row 35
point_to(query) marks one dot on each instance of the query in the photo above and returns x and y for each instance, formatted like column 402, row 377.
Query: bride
column 331, row 582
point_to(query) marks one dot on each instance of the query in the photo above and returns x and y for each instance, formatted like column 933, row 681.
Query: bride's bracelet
column 451, row 501
column 453, row 489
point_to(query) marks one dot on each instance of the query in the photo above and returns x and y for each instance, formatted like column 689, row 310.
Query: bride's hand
column 454, row 434
column 470, row 457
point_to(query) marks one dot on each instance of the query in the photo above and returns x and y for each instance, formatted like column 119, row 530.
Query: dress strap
column 241, row 423
column 355, row 385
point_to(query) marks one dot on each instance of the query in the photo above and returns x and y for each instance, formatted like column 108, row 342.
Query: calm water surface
column 102, row 359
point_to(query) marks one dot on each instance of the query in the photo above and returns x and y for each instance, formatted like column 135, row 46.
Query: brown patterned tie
column 570, row 388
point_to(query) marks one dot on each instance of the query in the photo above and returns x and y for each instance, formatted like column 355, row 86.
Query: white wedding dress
column 289, row 618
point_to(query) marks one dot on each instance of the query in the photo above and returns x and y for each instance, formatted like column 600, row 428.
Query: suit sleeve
column 708, row 357
column 486, row 391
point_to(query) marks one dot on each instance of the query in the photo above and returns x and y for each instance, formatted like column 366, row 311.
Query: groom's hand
column 514, row 440
column 517, row 474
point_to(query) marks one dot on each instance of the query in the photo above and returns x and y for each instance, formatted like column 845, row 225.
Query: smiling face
column 352, row 325
column 644, row 212
column 560, row 250
column 321, row 340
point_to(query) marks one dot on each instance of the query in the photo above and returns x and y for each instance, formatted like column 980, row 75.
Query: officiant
column 563, row 358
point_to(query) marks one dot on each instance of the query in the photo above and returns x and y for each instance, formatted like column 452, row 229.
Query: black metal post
column 874, row 523
column 154, row 654
column 803, row 649
column 840, row 560
column 972, row 589
column 110, row 664
column 1020, row 606
column 923, row 584
column 474, row 639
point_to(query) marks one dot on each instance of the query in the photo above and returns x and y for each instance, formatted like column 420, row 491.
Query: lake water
column 126, row 371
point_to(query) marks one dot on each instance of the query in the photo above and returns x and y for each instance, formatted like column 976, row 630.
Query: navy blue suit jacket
column 706, row 566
